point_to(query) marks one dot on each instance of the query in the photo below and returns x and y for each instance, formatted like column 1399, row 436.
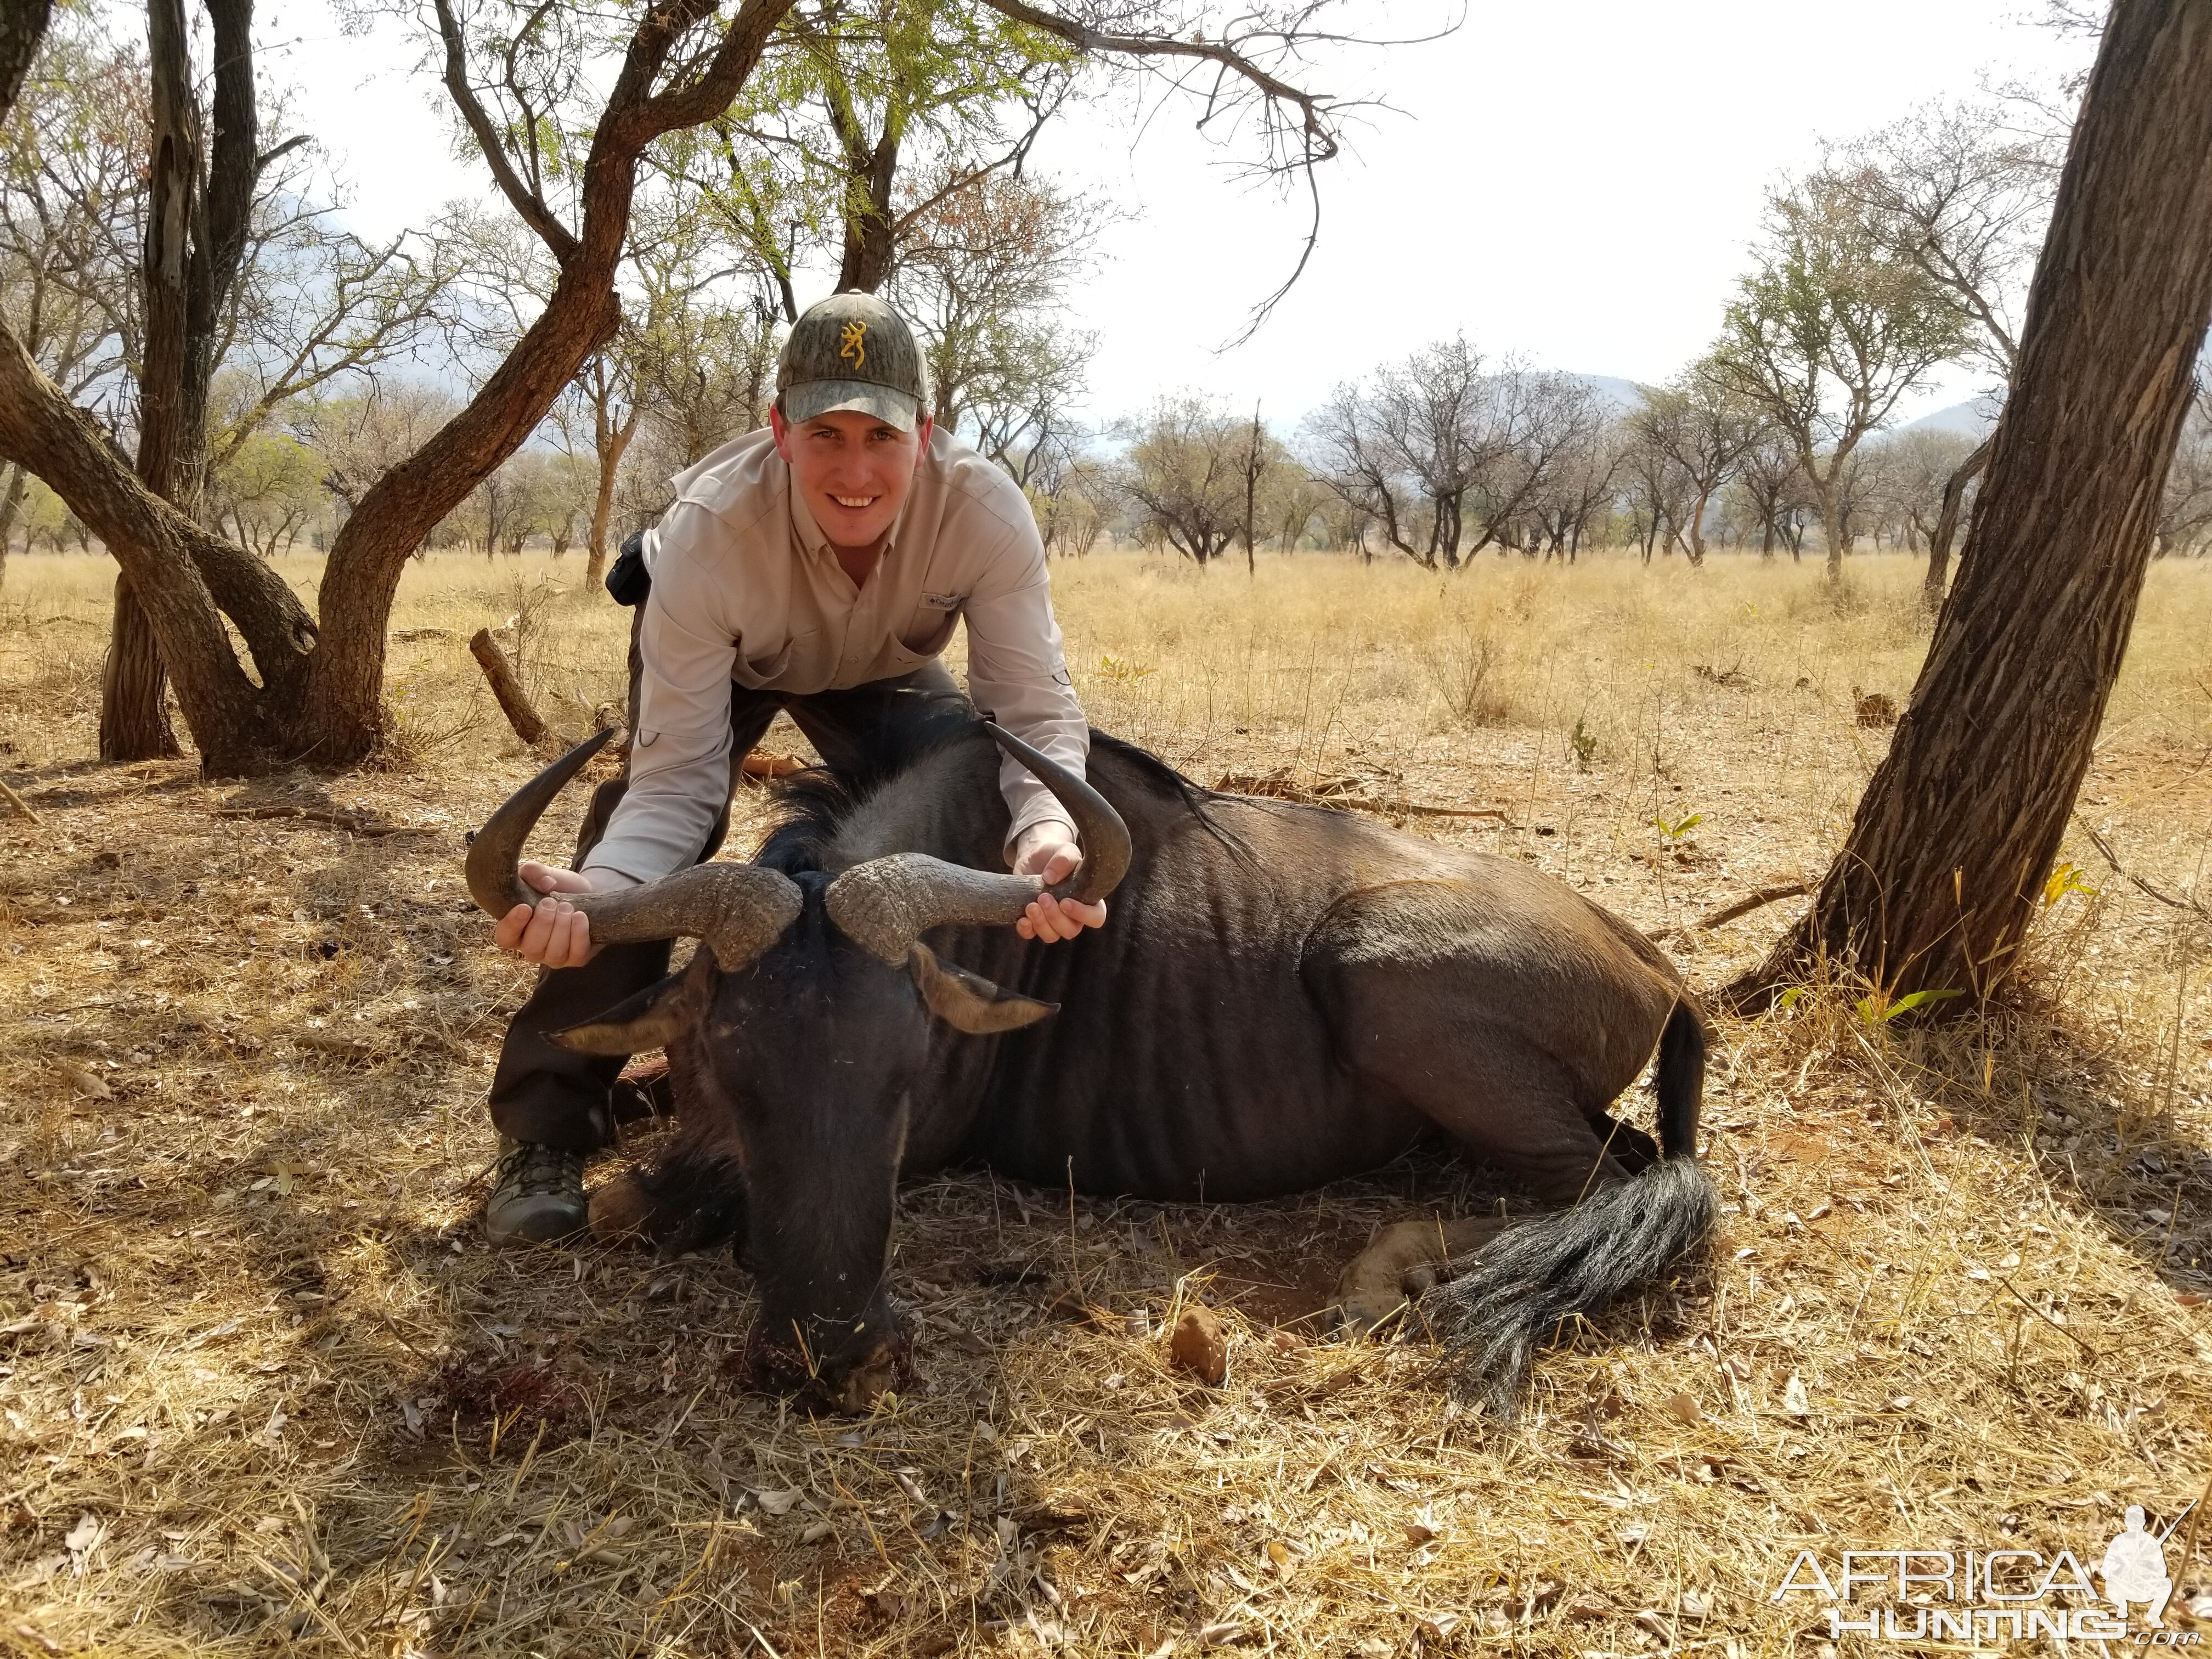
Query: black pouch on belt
column 627, row 580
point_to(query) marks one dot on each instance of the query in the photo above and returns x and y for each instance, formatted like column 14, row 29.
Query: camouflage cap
column 853, row 351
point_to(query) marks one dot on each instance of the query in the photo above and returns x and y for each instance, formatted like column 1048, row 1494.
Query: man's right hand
column 552, row 932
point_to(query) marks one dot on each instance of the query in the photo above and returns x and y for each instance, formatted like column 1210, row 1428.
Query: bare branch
column 524, row 200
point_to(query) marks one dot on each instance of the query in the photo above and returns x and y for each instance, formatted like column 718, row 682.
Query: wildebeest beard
column 1282, row 995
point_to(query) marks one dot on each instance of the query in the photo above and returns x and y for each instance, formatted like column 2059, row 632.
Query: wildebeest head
column 804, row 1020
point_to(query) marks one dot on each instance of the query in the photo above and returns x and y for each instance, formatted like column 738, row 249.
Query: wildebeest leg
column 1637, row 1151
column 693, row 1199
column 1400, row 1263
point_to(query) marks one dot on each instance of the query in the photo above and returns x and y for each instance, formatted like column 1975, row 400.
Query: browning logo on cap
column 852, row 352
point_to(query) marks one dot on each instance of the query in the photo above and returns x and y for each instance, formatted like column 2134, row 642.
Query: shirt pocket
column 766, row 660
column 929, row 630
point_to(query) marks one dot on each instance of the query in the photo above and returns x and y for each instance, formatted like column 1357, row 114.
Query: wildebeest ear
column 969, row 1002
column 653, row 1018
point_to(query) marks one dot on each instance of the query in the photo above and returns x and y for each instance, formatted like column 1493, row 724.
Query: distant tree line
column 1904, row 253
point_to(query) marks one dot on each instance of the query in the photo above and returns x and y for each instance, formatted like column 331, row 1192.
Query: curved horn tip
column 497, row 847
column 1104, row 837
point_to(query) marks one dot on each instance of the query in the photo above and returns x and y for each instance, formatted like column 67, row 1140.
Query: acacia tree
column 1965, row 196
column 316, row 690
column 1699, row 433
column 71, row 154
column 982, row 269
column 1771, row 489
column 1826, row 335
column 1936, row 885
column 1185, row 473
column 133, row 271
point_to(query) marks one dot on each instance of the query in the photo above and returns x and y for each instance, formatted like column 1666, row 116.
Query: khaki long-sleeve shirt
column 745, row 587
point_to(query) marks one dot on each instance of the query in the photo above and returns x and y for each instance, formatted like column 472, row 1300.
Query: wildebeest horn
column 1098, row 827
column 887, row 903
column 738, row 909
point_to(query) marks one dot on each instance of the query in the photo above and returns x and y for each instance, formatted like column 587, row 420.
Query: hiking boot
column 537, row 1194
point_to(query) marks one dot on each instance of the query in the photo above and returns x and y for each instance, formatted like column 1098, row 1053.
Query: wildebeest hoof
column 887, row 1369
column 620, row 1209
column 1356, row 1316
column 851, row 1388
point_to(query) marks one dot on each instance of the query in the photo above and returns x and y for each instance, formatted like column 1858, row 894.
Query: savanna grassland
column 264, row 1388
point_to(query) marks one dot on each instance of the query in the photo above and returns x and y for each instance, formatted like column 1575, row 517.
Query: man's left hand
column 1048, row 849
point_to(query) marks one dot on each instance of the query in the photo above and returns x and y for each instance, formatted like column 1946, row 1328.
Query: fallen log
column 506, row 687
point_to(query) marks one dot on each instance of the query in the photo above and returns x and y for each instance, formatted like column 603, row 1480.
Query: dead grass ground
column 261, row 1384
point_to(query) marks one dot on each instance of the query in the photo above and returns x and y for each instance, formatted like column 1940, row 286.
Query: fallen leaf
column 777, row 1503
column 1795, row 1400
column 815, row 1532
column 1682, row 1409
column 82, row 1081
column 1416, row 1534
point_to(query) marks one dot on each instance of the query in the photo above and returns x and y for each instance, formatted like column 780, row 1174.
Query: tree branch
column 526, row 201
column 45, row 431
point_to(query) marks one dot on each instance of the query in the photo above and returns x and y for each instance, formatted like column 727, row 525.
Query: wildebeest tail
column 1517, row 1290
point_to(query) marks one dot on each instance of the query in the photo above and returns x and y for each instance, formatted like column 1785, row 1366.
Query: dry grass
column 260, row 1383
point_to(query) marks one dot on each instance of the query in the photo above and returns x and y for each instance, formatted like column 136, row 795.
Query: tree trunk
column 1832, row 529
column 195, row 238
column 1947, row 526
column 134, row 718
column 11, row 503
column 614, row 440
column 1943, row 869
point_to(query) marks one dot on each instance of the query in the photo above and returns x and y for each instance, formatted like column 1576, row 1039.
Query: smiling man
column 817, row 568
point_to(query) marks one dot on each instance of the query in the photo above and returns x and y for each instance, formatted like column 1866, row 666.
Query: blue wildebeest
column 1282, row 995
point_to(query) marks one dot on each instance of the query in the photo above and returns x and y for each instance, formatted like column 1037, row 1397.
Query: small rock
column 1201, row 1346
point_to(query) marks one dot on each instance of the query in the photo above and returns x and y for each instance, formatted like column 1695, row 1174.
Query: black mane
column 814, row 804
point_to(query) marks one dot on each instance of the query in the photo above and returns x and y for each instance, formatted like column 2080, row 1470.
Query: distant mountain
column 1971, row 419
column 1625, row 396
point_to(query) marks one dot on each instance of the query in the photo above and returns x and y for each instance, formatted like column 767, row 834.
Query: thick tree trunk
column 134, row 720
column 134, row 716
column 1947, row 526
column 1941, row 876
column 869, row 226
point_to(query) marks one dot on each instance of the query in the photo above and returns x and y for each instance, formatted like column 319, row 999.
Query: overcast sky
column 1577, row 184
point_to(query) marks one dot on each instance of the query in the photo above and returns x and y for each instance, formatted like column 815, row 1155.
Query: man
column 816, row 567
